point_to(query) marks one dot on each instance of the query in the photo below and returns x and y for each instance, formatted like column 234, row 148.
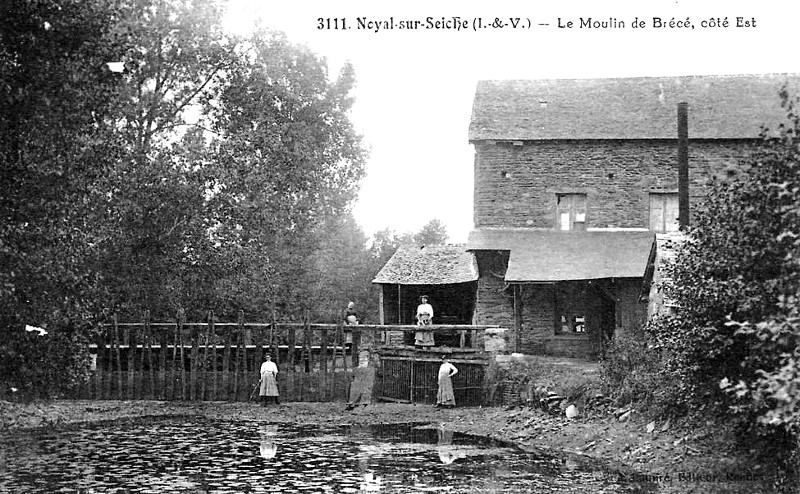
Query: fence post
column 130, row 339
column 337, row 340
column 259, row 357
column 108, row 378
column 226, row 364
column 98, row 371
column 194, row 356
column 323, row 363
column 119, row 358
column 209, row 323
column 354, row 348
column 181, row 315
column 272, row 328
column 162, row 363
column 213, row 363
column 149, row 335
column 292, row 345
column 237, row 363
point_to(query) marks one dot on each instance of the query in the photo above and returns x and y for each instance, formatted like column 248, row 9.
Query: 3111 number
column 331, row 23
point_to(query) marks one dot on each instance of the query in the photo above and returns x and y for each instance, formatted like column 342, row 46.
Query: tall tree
column 155, row 248
column 55, row 146
column 343, row 271
column 433, row 232
column 287, row 159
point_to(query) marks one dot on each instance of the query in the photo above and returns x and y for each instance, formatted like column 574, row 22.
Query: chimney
column 683, row 165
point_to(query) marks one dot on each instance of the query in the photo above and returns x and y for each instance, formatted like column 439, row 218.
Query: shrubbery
column 732, row 346
column 49, row 366
column 630, row 371
column 730, row 351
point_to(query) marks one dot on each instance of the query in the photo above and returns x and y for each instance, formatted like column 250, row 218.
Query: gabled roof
column 551, row 255
column 720, row 107
column 429, row 265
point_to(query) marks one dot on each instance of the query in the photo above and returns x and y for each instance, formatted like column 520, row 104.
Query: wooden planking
column 184, row 394
column 204, row 393
column 322, row 352
column 130, row 339
column 118, row 393
column 237, row 358
column 162, row 365
column 323, row 364
column 213, row 363
column 102, row 365
column 193, row 362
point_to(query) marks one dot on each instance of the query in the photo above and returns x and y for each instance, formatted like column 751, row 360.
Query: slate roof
column 429, row 265
column 551, row 255
column 627, row 108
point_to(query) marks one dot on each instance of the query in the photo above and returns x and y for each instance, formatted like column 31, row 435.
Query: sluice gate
column 213, row 361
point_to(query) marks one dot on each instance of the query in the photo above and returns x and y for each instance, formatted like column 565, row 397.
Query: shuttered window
column 571, row 211
column 663, row 212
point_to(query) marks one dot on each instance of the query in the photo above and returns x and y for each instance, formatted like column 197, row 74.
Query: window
column 572, row 324
column 663, row 211
column 571, row 211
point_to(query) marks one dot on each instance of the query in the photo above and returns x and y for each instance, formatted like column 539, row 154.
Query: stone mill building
column 576, row 193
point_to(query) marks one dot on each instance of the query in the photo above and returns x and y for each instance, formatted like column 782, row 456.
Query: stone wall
column 516, row 185
column 494, row 301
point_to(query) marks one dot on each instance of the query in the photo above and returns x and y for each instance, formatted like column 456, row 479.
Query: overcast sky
column 414, row 88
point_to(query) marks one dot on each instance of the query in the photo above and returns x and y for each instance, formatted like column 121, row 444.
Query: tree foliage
column 733, row 344
column 433, row 232
column 55, row 96
column 201, row 177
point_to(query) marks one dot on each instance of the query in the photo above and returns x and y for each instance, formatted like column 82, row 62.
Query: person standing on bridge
column 424, row 337
column 445, row 397
column 350, row 319
column 269, row 381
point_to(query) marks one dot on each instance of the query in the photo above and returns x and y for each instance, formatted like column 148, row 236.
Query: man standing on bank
column 269, row 381
column 445, row 396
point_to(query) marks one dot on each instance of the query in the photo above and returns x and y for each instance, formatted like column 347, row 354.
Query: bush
column 631, row 373
column 49, row 366
column 536, row 377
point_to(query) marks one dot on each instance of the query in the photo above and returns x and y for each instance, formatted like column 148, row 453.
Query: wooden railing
column 216, row 360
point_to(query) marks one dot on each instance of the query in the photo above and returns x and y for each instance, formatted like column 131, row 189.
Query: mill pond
column 195, row 454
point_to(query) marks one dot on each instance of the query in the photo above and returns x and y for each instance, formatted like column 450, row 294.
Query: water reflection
column 183, row 455
column 268, row 447
column 447, row 452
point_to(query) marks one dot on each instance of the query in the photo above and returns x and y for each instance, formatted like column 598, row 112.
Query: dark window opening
column 572, row 324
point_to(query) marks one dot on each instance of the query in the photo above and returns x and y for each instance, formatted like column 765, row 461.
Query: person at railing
column 350, row 314
column 445, row 396
column 350, row 319
column 269, row 381
column 424, row 318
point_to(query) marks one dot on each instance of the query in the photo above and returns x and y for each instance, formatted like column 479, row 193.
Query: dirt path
column 628, row 446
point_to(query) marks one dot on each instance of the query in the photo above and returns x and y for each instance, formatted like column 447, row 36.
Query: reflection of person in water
column 267, row 448
column 444, row 446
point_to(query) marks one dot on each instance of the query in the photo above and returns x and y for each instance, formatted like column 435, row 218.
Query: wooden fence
column 216, row 361
column 220, row 361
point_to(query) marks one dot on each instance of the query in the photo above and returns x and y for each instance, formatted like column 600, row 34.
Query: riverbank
column 675, row 457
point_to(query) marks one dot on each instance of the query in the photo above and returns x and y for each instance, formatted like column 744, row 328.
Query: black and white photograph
column 251, row 246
